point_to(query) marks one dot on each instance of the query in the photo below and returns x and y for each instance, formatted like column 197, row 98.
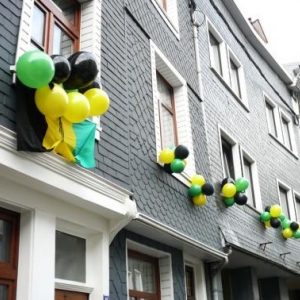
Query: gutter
column 180, row 236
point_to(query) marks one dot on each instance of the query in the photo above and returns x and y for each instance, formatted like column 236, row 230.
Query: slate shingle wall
column 9, row 25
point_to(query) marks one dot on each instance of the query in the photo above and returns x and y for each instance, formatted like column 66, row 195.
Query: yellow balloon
column 229, row 190
column 166, row 156
column 275, row 211
column 99, row 101
column 51, row 102
column 268, row 223
column 198, row 179
column 78, row 108
column 199, row 200
column 287, row 233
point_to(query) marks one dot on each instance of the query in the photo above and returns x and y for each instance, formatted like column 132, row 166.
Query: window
column 248, row 174
column 167, row 112
column 56, row 26
column 234, row 78
column 215, row 54
column 227, row 159
column 171, row 109
column 70, row 257
column 283, row 195
column 169, row 12
column 286, row 133
column 297, row 205
column 190, row 283
column 9, row 247
column 271, row 119
column 143, row 276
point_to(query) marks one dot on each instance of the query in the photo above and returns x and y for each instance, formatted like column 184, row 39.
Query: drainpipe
column 215, row 269
column 198, row 65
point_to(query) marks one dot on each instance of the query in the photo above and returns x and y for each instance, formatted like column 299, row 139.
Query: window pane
column 141, row 275
column 70, row 257
column 67, row 7
column 167, row 128
column 248, row 175
column 62, row 44
column 3, row 292
column 297, row 201
column 235, row 81
column 5, row 240
column 227, row 159
column 215, row 51
column 271, row 119
column 284, row 201
column 286, row 134
column 164, row 92
column 190, row 285
column 38, row 25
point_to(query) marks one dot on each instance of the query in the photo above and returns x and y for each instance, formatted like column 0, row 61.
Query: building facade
column 190, row 73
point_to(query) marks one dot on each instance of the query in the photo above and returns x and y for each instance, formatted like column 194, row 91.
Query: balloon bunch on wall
column 174, row 159
column 273, row 217
column 199, row 189
column 58, row 82
column 234, row 191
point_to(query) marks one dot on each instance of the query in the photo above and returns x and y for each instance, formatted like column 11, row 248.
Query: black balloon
column 62, row 69
column 240, row 198
column 84, row 69
column 294, row 226
column 167, row 168
column 267, row 208
column 95, row 85
column 275, row 222
column 181, row 152
column 227, row 180
column 207, row 189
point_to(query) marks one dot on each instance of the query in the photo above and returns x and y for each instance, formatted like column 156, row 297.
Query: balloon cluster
column 199, row 189
column 174, row 159
column 59, row 81
column 273, row 217
column 234, row 191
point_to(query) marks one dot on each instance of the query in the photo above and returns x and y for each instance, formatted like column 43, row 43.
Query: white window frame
column 170, row 16
column 223, row 134
column 184, row 132
column 290, row 200
column 199, row 274
column 223, row 52
column 284, row 116
column 241, row 77
column 269, row 100
column 165, row 267
column 296, row 195
column 255, row 179
column 90, row 35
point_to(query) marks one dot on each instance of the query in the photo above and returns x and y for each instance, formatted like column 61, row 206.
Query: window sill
column 285, row 147
column 72, row 286
column 182, row 177
column 167, row 20
column 228, row 87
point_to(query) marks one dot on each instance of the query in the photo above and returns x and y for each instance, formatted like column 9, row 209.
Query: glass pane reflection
column 5, row 241
column 3, row 292
column 62, row 44
column 37, row 28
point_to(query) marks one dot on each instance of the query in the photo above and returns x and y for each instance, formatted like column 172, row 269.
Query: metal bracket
column 263, row 245
column 282, row 255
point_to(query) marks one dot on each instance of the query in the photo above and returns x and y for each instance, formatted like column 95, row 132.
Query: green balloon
column 177, row 165
column 285, row 223
column 229, row 201
column 296, row 234
column 35, row 69
column 265, row 216
column 241, row 184
column 195, row 190
column 281, row 217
